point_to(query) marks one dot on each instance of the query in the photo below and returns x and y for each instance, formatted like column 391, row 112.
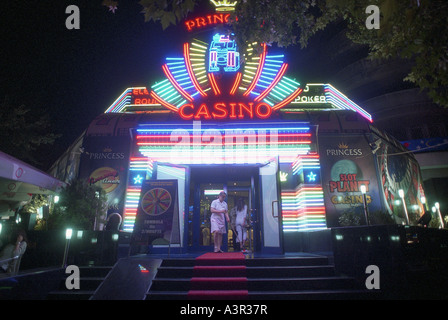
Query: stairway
column 279, row 278
column 90, row 279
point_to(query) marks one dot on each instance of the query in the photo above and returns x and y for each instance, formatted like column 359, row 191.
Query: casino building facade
column 303, row 156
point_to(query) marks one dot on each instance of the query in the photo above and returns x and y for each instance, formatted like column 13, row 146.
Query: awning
column 19, row 181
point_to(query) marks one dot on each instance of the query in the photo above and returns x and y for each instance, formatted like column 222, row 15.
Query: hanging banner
column 104, row 162
column 157, row 206
column 347, row 164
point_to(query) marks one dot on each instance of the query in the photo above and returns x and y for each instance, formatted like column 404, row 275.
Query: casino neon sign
column 222, row 110
column 197, row 81
column 205, row 82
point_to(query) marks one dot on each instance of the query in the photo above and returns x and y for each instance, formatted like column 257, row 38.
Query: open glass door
column 163, row 171
column 271, row 241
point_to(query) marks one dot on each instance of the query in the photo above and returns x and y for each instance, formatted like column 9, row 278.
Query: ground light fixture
column 364, row 199
column 425, row 204
column 401, row 194
column 437, row 205
column 68, row 236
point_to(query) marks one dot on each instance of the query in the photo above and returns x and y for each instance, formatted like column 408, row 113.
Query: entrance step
column 267, row 278
column 90, row 279
column 253, row 272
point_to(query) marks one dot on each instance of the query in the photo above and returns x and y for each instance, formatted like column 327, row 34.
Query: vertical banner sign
column 155, row 213
column 346, row 164
column 104, row 162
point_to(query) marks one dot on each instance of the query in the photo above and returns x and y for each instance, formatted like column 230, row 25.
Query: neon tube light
column 236, row 83
column 163, row 102
column 258, row 73
column 190, row 70
column 339, row 100
column 215, row 87
column 249, row 145
column 273, row 83
column 287, row 100
column 175, row 83
column 303, row 210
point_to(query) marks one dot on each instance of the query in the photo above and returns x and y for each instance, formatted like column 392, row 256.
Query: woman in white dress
column 241, row 222
column 218, row 225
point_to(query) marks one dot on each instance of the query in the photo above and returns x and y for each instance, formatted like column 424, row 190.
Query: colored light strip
column 198, row 51
column 190, row 70
column 214, row 85
column 175, row 83
column 236, row 83
column 288, row 100
column 130, row 208
column 305, row 162
column 211, row 192
column 168, row 93
column 141, row 167
column 163, row 102
column 304, row 209
column 123, row 100
column 258, row 73
column 339, row 100
column 249, row 145
column 274, row 82
column 271, row 67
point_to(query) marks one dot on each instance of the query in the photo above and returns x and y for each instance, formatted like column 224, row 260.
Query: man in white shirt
column 218, row 227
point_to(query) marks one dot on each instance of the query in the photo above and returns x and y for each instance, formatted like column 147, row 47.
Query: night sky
column 74, row 75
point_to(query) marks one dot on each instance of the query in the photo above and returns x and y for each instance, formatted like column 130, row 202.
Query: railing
column 47, row 248
column 10, row 259
column 15, row 266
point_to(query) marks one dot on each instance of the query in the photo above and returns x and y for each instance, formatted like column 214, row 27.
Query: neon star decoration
column 311, row 177
column 138, row 179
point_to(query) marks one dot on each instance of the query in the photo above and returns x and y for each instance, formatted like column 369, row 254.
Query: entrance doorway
column 256, row 185
column 205, row 185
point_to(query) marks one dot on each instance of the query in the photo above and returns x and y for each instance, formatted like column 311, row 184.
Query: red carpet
column 219, row 276
column 221, row 259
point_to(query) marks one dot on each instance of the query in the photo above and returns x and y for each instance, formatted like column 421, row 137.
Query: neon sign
column 223, row 54
column 203, row 144
column 303, row 208
column 224, row 5
column 208, row 20
column 197, row 80
column 222, row 110
column 262, row 86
